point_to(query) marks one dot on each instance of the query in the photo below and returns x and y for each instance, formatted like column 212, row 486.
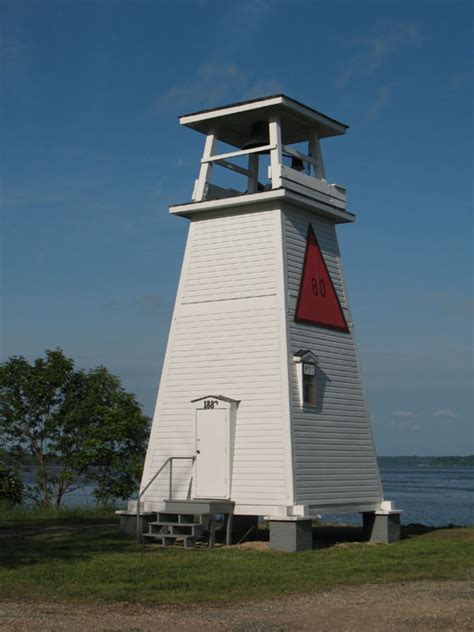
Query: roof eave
column 196, row 120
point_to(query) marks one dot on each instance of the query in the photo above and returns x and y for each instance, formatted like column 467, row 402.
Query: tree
column 75, row 427
column 107, row 436
column 11, row 487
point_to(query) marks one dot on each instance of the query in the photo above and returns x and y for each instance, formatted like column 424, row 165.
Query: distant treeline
column 439, row 461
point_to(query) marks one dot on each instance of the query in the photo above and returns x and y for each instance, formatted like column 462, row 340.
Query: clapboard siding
column 230, row 347
column 220, row 246
column 333, row 451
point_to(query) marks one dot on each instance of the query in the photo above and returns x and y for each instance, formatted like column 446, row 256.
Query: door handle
column 198, row 451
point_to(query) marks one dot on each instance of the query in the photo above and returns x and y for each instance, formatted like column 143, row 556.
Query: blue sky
column 93, row 155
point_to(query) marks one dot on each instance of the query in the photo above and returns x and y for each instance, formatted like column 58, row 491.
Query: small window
column 309, row 384
column 306, row 369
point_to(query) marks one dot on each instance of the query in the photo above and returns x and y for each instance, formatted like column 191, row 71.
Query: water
column 80, row 497
column 429, row 495
column 433, row 496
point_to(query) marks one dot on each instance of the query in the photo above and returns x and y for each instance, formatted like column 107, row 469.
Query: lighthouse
column 261, row 408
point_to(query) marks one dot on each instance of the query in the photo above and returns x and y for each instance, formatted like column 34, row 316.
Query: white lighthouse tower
column 261, row 409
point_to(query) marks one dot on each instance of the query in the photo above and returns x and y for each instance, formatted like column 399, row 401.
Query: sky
column 92, row 155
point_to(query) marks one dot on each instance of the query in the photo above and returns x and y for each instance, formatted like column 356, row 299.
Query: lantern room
column 271, row 147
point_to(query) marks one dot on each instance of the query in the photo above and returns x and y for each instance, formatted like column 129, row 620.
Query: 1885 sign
column 210, row 403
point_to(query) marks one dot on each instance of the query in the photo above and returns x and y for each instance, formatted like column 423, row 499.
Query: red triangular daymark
column 318, row 302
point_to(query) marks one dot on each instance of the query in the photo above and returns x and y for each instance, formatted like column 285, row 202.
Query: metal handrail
column 154, row 477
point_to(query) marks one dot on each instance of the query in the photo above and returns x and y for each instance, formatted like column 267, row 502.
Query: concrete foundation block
column 291, row 536
column 128, row 522
column 381, row 526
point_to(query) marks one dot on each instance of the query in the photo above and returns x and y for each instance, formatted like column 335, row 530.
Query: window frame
column 301, row 359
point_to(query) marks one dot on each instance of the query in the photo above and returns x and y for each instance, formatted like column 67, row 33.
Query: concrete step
column 203, row 523
column 176, row 529
column 167, row 539
column 187, row 521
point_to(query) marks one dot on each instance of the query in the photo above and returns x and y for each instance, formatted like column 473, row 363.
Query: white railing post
column 276, row 153
column 205, row 171
column 315, row 153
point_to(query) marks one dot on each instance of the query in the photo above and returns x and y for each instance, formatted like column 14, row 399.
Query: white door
column 211, row 479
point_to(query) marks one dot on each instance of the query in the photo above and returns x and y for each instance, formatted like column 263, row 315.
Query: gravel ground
column 413, row 606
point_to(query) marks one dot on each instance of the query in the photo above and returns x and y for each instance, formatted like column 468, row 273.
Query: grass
column 9, row 516
column 80, row 556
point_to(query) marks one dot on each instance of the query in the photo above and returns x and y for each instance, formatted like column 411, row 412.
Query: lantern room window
column 306, row 364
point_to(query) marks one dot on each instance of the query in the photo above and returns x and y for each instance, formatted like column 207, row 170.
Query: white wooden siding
column 225, row 339
column 334, row 456
column 232, row 257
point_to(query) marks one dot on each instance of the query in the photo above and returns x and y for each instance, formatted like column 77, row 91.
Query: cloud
column 382, row 96
column 405, row 414
column 240, row 25
column 210, row 83
column 263, row 88
column 405, row 421
column 445, row 412
column 21, row 198
column 247, row 16
column 214, row 84
column 406, row 425
column 375, row 50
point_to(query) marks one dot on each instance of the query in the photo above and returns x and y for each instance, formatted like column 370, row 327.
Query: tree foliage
column 11, row 487
column 75, row 427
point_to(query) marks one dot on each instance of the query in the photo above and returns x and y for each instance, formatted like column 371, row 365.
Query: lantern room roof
column 233, row 123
